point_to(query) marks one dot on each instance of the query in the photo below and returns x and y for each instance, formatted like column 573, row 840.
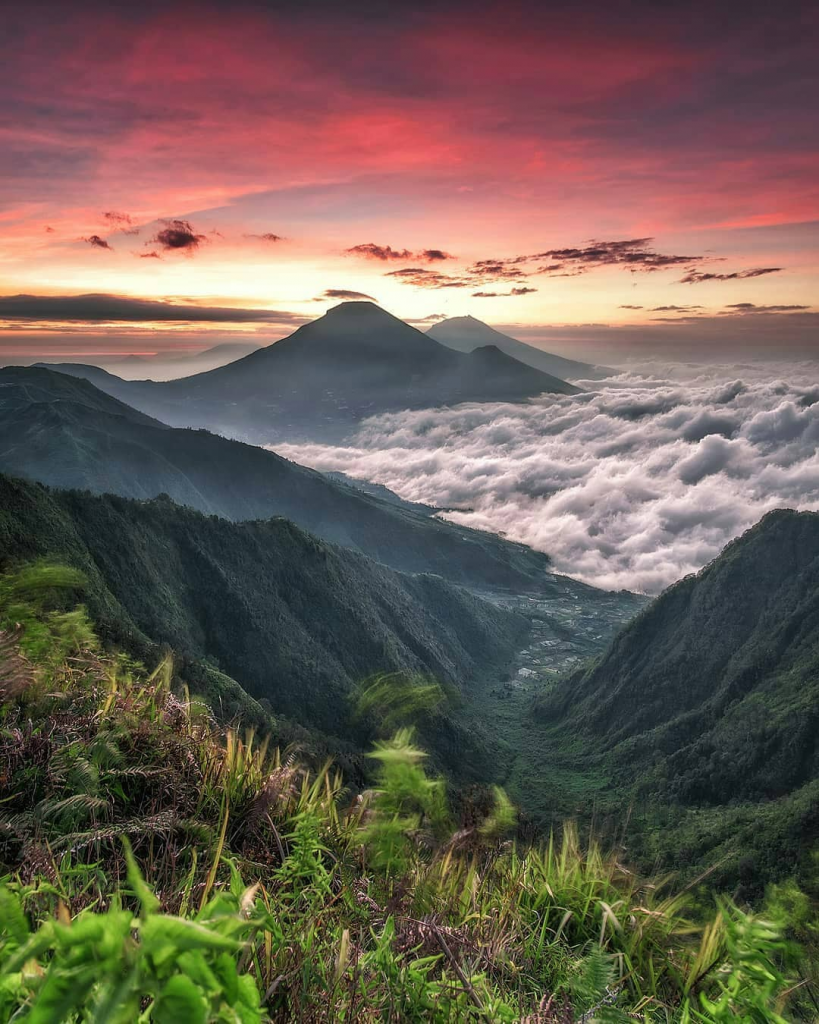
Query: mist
column 633, row 484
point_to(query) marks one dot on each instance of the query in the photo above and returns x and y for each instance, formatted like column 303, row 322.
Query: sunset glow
column 232, row 156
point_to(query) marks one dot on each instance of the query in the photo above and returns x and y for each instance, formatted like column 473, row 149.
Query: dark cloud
column 343, row 293
column 497, row 270
column 497, row 295
column 152, row 255
column 631, row 254
column 49, row 230
column 634, row 254
column 743, row 308
column 629, row 307
column 267, row 236
column 98, row 242
column 697, row 277
column 671, row 309
column 420, row 277
column 372, row 251
column 102, row 307
column 121, row 222
column 177, row 236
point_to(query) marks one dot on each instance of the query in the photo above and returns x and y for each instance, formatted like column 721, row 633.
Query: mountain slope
column 64, row 432
column 701, row 721
column 465, row 334
column 719, row 675
column 292, row 619
column 320, row 382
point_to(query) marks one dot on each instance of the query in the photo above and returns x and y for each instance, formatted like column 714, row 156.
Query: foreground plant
column 378, row 906
column 117, row 968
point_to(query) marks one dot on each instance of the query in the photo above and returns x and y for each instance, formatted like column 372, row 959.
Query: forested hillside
column 293, row 620
column 65, row 432
column 705, row 708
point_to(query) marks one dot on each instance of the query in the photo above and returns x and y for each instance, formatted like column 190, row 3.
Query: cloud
column 343, row 293
column 634, row 254
column 267, row 236
column 121, row 222
column 371, row 251
column 430, row 318
column 744, row 308
column 384, row 253
column 629, row 307
column 631, row 254
column 434, row 255
column 152, row 255
column 420, row 277
column 633, row 485
column 497, row 270
column 103, row 307
column 494, row 295
column 670, row 309
column 98, row 242
column 697, row 277
column 177, row 236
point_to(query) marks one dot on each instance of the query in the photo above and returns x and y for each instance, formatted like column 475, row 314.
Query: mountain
column 708, row 702
column 295, row 621
column 64, row 432
column 168, row 365
column 466, row 334
column 320, row 382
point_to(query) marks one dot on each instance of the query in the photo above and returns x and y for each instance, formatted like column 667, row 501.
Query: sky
column 625, row 180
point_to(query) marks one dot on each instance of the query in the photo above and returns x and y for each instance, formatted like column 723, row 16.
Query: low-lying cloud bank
column 634, row 485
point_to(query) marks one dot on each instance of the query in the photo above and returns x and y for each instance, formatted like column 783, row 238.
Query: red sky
column 637, row 167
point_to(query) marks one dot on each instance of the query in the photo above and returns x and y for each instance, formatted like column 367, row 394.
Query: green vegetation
column 701, row 720
column 160, row 867
column 296, row 622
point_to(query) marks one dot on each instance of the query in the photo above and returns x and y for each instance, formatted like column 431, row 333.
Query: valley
column 549, row 779
column 409, row 513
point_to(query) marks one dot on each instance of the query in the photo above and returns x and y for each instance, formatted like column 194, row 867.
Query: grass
column 162, row 867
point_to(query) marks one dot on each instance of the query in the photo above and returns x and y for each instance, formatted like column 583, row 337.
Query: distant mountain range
column 167, row 365
column 465, row 334
column 65, row 432
column 320, row 382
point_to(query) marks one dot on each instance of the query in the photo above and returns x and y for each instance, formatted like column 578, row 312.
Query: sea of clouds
column 635, row 483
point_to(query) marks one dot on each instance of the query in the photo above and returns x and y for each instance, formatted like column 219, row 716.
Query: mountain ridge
column 467, row 333
column 293, row 620
column 64, row 432
column 321, row 381
column 702, row 716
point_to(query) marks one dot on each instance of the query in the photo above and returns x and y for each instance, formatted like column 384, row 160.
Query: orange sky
column 632, row 167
